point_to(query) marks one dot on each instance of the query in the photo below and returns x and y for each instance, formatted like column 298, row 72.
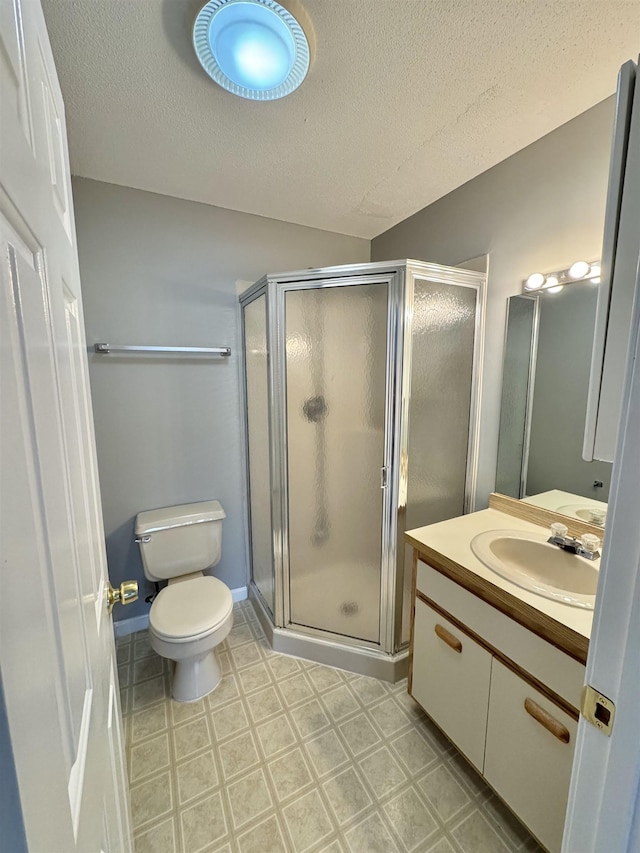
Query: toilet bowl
column 194, row 613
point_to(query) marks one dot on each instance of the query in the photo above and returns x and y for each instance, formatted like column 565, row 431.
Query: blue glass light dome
column 253, row 48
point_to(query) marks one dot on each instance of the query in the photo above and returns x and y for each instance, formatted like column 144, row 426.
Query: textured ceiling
column 405, row 100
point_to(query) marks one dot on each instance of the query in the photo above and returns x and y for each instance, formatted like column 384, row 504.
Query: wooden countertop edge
column 567, row 640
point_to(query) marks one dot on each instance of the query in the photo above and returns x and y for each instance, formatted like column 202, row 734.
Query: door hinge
column 384, row 477
column 597, row 709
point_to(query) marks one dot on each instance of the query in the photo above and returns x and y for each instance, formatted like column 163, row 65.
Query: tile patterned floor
column 287, row 755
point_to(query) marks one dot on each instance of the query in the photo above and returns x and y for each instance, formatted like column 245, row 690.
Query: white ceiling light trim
column 255, row 49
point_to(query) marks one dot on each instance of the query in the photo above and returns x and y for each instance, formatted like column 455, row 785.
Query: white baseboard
column 124, row 627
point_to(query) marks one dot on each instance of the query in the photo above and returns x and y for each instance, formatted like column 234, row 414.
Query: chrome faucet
column 587, row 546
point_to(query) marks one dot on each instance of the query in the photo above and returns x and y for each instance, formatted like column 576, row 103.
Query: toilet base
column 195, row 678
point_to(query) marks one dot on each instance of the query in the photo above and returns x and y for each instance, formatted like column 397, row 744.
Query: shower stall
column 361, row 400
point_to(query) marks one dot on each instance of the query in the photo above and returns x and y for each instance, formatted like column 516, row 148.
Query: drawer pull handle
column 545, row 719
column 448, row 638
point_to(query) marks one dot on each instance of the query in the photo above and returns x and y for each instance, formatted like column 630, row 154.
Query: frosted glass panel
column 444, row 317
column 515, row 392
column 336, row 346
column 255, row 333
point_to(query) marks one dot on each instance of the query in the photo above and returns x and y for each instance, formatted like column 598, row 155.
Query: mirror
column 544, row 399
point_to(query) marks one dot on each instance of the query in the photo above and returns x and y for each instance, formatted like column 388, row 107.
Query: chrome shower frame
column 386, row 659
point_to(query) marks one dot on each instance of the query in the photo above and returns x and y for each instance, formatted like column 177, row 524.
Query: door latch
column 597, row 709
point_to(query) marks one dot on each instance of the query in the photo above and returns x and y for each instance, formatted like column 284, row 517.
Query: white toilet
column 194, row 613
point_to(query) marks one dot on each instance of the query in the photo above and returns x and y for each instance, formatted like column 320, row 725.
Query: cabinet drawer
column 561, row 673
column 451, row 675
column 528, row 765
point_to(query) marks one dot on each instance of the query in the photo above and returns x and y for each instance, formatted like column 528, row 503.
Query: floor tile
column 289, row 755
column 225, row 692
column 326, row 752
column 340, row 702
column 264, row 838
column 197, row 776
column 159, row 839
column 148, row 692
column 309, row 718
column 347, row 795
column 307, row 821
column 370, row 836
column 290, row 774
column 282, row 666
column 203, row 824
column 359, row 734
column 411, row 819
column 413, row 750
column 475, row 835
column 183, row 711
column 148, row 668
column 389, row 717
column 368, row 690
column 229, row 719
column 382, row 772
column 246, row 655
column 275, row 735
column 191, row 737
column 238, row 754
column 239, row 635
column 248, row 797
column 324, row 677
column 264, row 704
column 149, row 757
column 295, row 690
column 444, row 792
column 254, row 677
column 151, row 800
column 149, row 722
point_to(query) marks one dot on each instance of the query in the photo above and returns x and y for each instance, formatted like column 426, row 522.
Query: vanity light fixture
column 554, row 282
column 578, row 270
column 255, row 49
column 534, row 282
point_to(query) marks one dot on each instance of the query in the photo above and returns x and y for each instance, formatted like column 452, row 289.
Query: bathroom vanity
column 498, row 667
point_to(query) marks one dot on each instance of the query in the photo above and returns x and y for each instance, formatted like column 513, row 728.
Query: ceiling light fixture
column 255, row 49
column 554, row 282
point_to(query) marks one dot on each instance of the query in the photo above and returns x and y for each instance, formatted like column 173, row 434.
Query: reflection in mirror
column 544, row 399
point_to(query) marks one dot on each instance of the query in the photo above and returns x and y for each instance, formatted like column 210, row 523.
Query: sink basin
column 584, row 513
column 529, row 561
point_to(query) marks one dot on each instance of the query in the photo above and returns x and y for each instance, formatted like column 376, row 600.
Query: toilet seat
column 187, row 611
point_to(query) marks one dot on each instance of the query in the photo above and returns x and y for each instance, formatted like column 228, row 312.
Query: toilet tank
column 178, row 540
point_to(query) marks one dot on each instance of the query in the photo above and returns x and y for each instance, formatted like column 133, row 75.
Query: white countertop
column 452, row 539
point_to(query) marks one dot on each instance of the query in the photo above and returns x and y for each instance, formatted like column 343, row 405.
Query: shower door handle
column 384, row 477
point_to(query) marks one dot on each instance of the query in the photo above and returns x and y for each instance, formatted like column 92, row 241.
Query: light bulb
column 535, row 281
column 595, row 269
column 579, row 269
column 551, row 282
column 555, row 289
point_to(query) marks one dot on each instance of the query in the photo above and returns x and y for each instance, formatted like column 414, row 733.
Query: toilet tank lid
column 178, row 516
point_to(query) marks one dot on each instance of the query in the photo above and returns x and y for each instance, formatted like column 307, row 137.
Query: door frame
column 604, row 806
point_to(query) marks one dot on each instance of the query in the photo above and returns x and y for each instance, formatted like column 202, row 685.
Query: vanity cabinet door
column 529, row 752
column 451, row 675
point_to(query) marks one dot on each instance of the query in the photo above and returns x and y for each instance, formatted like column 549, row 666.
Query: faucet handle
column 590, row 542
column 559, row 530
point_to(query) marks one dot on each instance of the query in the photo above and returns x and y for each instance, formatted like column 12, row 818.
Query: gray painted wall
column 159, row 270
column 539, row 210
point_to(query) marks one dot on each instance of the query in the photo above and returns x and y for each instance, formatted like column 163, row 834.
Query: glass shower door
column 336, row 399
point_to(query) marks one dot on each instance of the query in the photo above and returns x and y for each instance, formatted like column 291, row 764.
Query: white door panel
column 56, row 637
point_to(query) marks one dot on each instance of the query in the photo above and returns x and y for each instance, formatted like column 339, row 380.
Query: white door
column 56, row 639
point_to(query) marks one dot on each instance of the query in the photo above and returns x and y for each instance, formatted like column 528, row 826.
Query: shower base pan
column 363, row 660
